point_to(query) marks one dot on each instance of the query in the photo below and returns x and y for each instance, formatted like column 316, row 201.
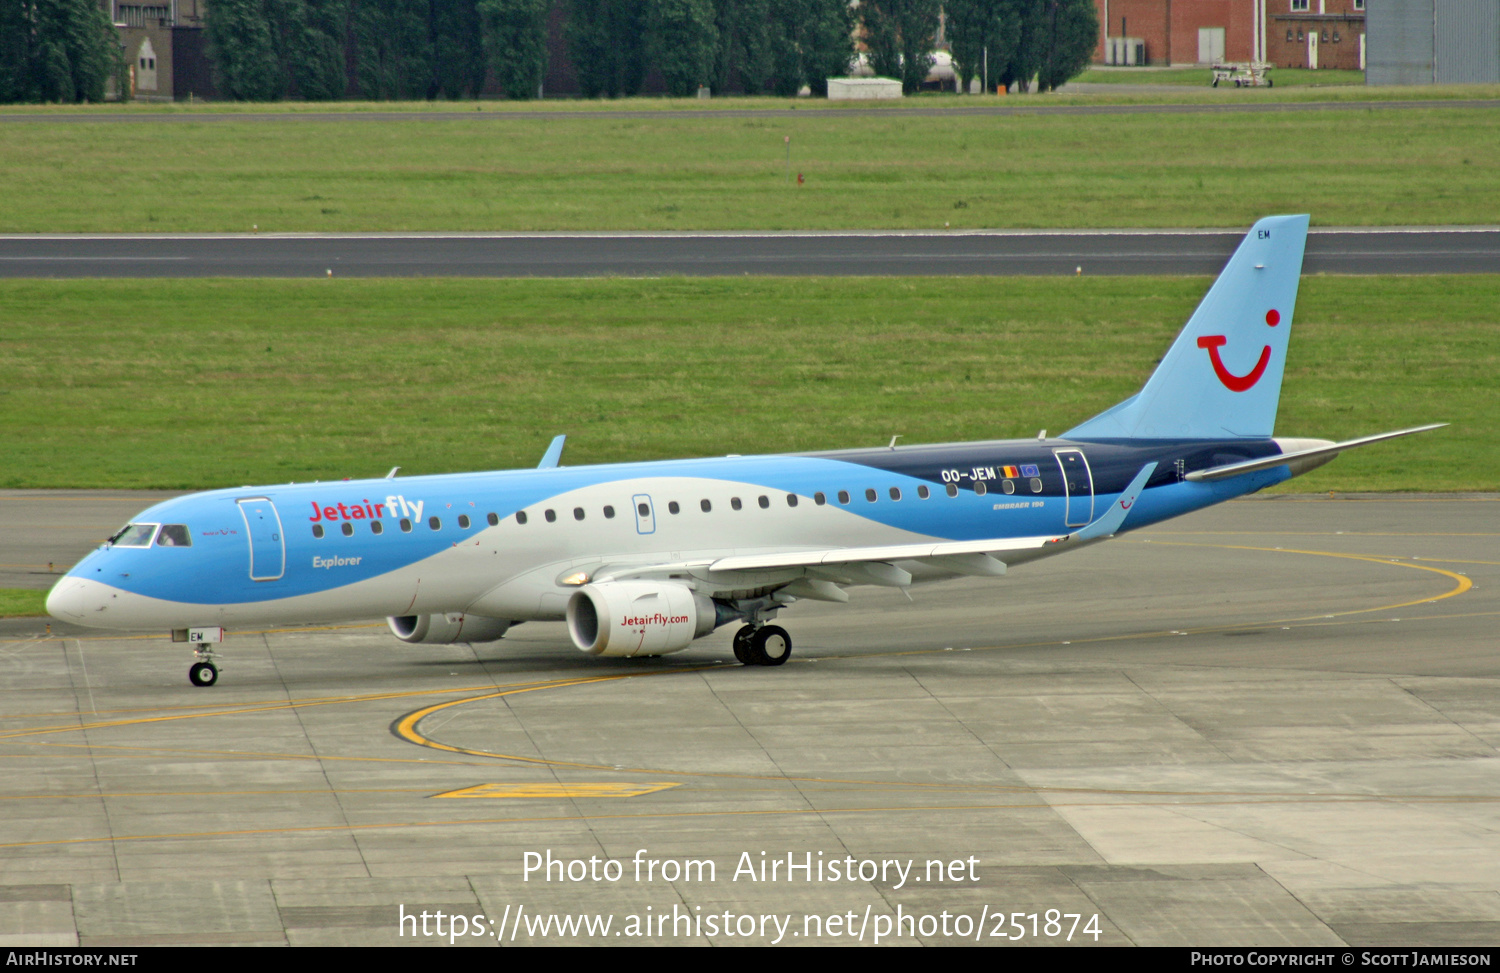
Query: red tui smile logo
column 1233, row 382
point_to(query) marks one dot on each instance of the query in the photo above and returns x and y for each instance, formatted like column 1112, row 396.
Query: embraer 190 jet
column 643, row 558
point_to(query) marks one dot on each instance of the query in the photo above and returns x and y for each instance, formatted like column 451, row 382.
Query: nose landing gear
column 203, row 673
column 766, row 645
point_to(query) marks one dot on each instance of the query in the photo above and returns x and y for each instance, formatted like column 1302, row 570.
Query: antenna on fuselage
column 893, row 441
column 392, row 474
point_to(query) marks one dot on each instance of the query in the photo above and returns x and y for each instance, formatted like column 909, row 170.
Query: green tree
column 1068, row 36
column 811, row 41
column 743, row 45
column 982, row 34
column 392, row 48
column 682, row 39
column 606, row 42
column 827, row 42
column 515, row 41
column 312, row 34
column 243, row 52
column 55, row 50
column 459, row 62
column 1030, row 20
column 900, row 35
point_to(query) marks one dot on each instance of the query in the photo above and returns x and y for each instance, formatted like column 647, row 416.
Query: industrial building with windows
column 1283, row 33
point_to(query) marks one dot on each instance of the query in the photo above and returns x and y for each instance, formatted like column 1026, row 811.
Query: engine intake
column 446, row 629
column 630, row 618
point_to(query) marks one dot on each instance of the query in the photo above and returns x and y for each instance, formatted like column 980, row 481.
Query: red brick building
column 1317, row 34
column 1286, row 33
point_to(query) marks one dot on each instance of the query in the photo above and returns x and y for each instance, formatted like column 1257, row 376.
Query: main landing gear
column 768, row 645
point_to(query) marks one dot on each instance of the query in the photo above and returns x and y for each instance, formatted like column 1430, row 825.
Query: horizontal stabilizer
column 1302, row 457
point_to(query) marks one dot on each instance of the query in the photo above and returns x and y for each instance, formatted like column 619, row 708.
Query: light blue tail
column 1222, row 377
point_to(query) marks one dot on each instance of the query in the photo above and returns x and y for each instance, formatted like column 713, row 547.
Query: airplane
column 641, row 559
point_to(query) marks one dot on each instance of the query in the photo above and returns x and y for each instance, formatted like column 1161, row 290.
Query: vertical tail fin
column 1221, row 379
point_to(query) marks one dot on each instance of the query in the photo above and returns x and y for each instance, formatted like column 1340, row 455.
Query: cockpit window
column 134, row 535
column 174, row 535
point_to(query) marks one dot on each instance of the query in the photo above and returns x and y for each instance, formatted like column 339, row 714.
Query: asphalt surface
column 1273, row 722
column 1334, row 251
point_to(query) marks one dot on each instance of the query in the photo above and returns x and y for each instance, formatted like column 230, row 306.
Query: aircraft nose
column 68, row 600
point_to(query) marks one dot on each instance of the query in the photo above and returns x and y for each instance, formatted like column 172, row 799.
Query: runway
column 1273, row 722
column 1414, row 250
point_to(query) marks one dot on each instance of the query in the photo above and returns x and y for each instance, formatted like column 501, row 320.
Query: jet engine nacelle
column 629, row 618
column 446, row 628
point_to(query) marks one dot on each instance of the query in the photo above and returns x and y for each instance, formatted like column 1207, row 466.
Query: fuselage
column 501, row 544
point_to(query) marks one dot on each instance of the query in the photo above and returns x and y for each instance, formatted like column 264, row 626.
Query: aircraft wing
column 986, row 557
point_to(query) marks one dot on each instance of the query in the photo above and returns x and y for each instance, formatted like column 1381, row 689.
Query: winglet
column 553, row 456
column 1110, row 523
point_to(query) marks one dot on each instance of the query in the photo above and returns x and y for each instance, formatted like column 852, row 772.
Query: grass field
column 864, row 169
column 197, row 384
column 19, row 602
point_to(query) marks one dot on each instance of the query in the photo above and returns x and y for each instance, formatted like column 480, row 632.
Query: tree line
column 318, row 50
column 55, row 50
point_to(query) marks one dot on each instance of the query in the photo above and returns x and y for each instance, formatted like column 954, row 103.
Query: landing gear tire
column 771, row 645
column 742, row 650
column 203, row 674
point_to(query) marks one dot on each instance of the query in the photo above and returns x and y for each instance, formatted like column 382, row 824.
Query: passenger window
column 923, row 492
column 895, row 493
column 493, row 519
column 819, row 499
column 174, row 535
column 317, row 530
column 1036, row 484
column 643, row 509
column 765, row 502
column 953, row 489
column 870, row 495
column 843, row 496
column 609, row 512
column 734, row 503
column 551, row 515
column 707, row 507
column 1009, row 486
column 376, row 527
column 520, row 516
column 980, row 489
column 577, row 513
column 348, row 528
column 405, row 526
column 672, row 507
column 434, row 523
column 463, row 521
column 791, row 500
